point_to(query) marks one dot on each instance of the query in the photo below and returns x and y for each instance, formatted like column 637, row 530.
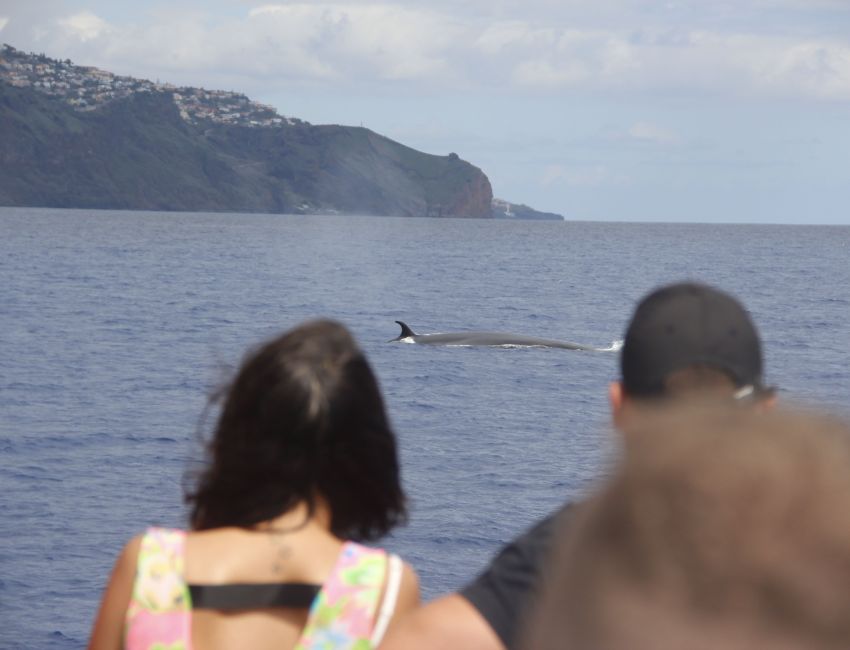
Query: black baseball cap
column 690, row 324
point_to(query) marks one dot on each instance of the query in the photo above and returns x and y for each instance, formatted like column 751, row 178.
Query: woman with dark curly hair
column 302, row 466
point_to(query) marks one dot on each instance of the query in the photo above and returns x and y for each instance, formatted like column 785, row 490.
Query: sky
column 621, row 110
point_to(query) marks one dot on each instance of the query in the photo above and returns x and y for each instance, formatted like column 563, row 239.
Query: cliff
column 140, row 152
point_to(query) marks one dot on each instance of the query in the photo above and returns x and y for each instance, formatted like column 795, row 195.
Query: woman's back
column 302, row 458
column 270, row 555
column 286, row 550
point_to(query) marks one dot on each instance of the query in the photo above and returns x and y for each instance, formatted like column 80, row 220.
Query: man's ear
column 616, row 399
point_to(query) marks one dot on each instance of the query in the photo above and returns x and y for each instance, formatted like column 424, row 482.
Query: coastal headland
column 80, row 137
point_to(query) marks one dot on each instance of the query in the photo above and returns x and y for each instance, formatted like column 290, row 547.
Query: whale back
column 495, row 339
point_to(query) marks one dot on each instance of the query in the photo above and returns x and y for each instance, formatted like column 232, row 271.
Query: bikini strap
column 160, row 605
column 343, row 614
column 240, row 596
column 389, row 601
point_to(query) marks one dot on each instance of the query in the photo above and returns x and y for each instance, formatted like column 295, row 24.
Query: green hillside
column 138, row 152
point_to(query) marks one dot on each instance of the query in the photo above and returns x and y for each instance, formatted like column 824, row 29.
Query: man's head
column 689, row 338
column 722, row 528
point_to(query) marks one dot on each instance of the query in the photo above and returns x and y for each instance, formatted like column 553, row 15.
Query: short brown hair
column 720, row 529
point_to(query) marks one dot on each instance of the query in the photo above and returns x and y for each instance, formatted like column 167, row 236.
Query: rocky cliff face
column 474, row 199
column 368, row 173
column 137, row 153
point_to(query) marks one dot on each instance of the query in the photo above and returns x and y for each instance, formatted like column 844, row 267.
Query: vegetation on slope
column 138, row 153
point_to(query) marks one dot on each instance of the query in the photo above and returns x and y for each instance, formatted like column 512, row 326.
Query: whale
column 496, row 339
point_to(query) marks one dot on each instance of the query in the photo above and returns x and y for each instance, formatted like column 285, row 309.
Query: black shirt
column 504, row 592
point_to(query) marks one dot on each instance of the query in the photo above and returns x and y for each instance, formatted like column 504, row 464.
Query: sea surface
column 116, row 326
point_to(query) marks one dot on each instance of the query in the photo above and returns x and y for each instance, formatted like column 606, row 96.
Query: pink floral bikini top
column 344, row 614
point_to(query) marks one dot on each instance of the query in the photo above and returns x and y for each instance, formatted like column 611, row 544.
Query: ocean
column 116, row 326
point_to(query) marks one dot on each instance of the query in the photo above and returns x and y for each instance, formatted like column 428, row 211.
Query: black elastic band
column 253, row 596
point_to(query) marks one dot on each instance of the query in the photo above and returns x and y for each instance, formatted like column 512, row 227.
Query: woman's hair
column 303, row 418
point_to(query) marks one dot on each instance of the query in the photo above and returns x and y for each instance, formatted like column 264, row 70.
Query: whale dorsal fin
column 405, row 330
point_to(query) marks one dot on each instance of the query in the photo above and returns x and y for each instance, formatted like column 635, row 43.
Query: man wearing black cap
column 683, row 339
column 691, row 330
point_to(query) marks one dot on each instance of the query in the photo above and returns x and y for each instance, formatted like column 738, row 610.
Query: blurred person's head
column 303, row 420
column 722, row 529
column 688, row 340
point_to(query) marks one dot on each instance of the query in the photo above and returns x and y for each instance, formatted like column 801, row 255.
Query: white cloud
column 344, row 44
column 390, row 42
column 593, row 58
column 699, row 61
column 84, row 26
column 553, row 75
column 819, row 69
column 646, row 132
column 498, row 36
column 3, row 22
column 580, row 176
column 370, row 43
column 806, row 4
